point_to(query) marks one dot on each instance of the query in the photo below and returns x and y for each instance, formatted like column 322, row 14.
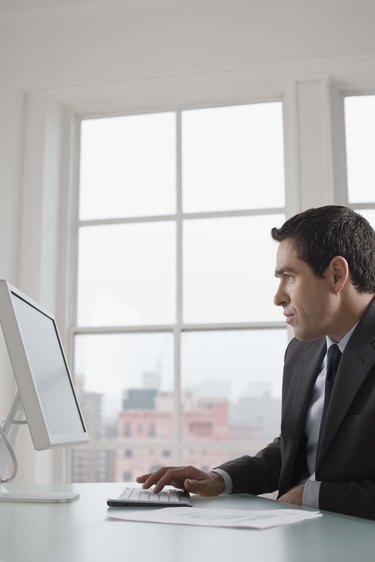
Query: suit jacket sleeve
column 258, row 474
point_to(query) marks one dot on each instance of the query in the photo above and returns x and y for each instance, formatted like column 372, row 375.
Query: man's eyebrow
column 283, row 270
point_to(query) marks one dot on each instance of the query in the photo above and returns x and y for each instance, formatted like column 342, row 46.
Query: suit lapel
column 306, row 369
column 356, row 362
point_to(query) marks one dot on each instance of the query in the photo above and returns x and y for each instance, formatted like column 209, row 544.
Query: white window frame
column 176, row 444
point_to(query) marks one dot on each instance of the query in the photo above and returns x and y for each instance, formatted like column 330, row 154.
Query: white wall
column 92, row 56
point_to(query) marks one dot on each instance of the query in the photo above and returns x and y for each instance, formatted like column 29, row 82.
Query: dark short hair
column 325, row 232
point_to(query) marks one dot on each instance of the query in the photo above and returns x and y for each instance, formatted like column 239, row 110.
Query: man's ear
column 340, row 271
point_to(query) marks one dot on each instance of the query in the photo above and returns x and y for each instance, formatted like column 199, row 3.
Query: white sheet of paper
column 236, row 518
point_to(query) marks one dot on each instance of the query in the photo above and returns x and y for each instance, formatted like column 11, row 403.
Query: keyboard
column 138, row 497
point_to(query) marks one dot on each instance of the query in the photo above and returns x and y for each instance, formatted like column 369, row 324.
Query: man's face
column 308, row 301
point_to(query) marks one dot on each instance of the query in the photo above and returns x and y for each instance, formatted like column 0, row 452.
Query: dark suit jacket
column 345, row 462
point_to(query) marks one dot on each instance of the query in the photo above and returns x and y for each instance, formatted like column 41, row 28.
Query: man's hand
column 185, row 477
column 293, row 496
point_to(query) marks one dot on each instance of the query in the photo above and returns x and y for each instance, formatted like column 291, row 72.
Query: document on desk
column 235, row 518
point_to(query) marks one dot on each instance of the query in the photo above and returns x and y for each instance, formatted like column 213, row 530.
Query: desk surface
column 80, row 532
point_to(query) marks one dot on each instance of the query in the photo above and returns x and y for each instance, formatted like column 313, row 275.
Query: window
column 127, row 429
column 360, row 146
column 176, row 337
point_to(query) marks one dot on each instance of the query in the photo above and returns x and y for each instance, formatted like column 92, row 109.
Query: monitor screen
column 41, row 371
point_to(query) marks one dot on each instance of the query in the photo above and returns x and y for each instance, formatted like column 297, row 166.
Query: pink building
column 148, row 414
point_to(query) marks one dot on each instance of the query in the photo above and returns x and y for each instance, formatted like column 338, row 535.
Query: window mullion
column 177, row 433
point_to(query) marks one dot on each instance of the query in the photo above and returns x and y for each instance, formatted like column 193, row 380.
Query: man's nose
column 280, row 297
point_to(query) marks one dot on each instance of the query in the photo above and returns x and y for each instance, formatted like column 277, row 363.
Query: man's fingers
column 187, row 477
column 173, row 477
column 159, row 478
column 143, row 478
column 152, row 477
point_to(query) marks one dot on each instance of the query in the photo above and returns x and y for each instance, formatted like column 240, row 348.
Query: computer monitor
column 44, row 383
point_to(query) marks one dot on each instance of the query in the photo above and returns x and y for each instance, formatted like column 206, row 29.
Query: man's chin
column 304, row 337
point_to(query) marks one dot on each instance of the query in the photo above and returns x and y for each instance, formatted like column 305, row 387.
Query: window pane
column 231, row 382
column 233, row 158
column 126, row 274
column 103, row 465
column 141, row 461
column 207, row 459
column 96, row 465
column 125, row 388
column 125, row 384
column 128, row 166
column 360, row 148
column 229, row 269
column 369, row 214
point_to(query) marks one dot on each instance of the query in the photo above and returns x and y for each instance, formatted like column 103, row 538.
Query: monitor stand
column 14, row 493
column 7, row 495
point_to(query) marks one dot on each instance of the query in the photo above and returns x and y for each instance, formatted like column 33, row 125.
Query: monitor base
column 45, row 497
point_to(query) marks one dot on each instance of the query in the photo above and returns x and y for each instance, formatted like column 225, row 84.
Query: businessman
column 325, row 454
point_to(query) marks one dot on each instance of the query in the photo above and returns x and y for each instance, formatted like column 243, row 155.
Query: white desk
column 80, row 532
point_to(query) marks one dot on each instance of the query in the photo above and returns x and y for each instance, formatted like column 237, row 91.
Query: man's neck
column 351, row 313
